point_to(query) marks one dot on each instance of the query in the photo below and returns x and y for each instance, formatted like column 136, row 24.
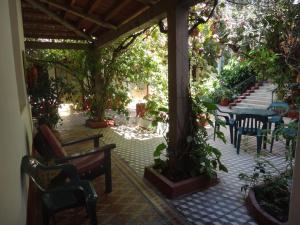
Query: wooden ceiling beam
column 44, row 35
column 146, row 19
column 134, row 15
column 147, row 2
column 55, row 45
column 94, row 6
column 116, row 10
column 91, row 9
column 53, row 15
column 81, row 14
column 72, row 3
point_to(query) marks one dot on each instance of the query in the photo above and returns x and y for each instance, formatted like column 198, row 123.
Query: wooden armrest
column 104, row 149
column 94, row 137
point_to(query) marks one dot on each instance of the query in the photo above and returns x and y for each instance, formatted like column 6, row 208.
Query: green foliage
column 103, row 75
column 271, row 188
column 204, row 51
column 264, row 62
column 46, row 96
column 222, row 93
column 205, row 159
column 267, row 35
column 234, row 73
column 199, row 157
column 234, row 79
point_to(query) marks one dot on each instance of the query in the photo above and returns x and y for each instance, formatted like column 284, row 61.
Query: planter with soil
column 263, row 215
column 173, row 189
column 94, row 124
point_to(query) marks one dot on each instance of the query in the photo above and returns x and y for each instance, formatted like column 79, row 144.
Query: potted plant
column 268, row 188
column 45, row 95
column 192, row 169
column 106, row 91
column 268, row 193
column 223, row 96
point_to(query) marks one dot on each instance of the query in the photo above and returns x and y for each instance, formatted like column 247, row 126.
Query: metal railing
column 244, row 85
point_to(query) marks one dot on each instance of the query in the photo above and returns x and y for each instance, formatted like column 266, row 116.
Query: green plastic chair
column 289, row 133
column 223, row 118
column 58, row 197
column 250, row 125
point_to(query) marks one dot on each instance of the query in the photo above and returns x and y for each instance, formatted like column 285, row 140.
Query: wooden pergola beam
column 80, row 14
column 94, row 6
column 135, row 15
column 53, row 15
column 55, row 45
column 146, row 19
column 72, row 3
column 116, row 10
column 149, row 17
column 146, row 2
column 90, row 11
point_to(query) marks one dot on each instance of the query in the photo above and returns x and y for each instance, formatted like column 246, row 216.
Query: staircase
column 258, row 97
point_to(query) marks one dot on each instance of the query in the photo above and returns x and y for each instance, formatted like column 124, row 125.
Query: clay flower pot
column 261, row 216
column 224, row 102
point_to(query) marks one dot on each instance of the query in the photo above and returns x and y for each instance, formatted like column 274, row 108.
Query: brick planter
column 261, row 216
column 175, row 189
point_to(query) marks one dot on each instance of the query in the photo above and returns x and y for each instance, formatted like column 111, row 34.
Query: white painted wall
column 15, row 121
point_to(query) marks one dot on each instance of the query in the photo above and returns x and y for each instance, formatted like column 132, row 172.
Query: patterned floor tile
column 221, row 204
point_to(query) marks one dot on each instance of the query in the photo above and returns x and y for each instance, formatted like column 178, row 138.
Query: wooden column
column 294, row 213
column 178, row 76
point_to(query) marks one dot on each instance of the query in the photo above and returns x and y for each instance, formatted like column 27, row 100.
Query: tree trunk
column 100, row 97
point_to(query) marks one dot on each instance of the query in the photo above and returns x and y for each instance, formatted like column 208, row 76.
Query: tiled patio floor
column 221, row 204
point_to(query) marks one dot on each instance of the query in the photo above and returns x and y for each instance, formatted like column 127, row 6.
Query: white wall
column 15, row 122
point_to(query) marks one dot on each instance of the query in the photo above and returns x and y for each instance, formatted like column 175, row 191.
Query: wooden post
column 294, row 212
column 178, row 78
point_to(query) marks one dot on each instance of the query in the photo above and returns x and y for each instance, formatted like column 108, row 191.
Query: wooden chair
column 89, row 165
column 251, row 125
column 55, row 198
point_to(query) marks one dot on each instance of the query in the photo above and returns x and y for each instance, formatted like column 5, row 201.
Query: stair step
column 244, row 107
column 249, row 105
column 261, row 95
column 256, row 101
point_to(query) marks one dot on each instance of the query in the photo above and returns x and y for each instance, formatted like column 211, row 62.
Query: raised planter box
column 99, row 124
column 261, row 216
column 175, row 189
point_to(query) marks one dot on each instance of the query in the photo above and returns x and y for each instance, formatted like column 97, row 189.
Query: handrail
column 249, row 80
column 275, row 89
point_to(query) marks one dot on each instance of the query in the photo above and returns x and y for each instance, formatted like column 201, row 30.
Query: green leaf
column 209, row 105
column 163, row 109
column 223, row 168
column 159, row 149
